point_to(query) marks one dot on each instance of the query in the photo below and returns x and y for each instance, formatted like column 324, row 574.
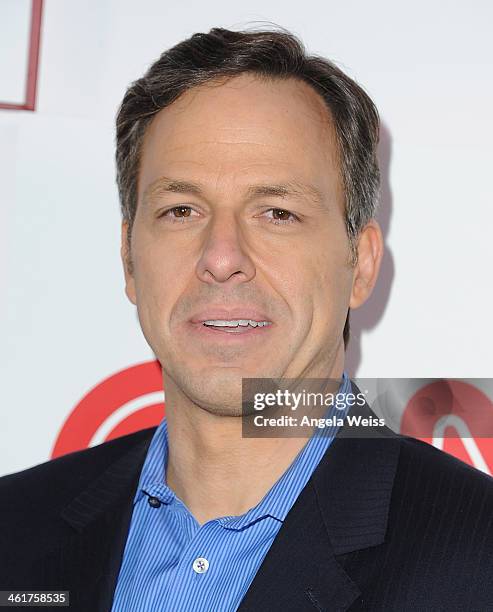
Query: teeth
column 236, row 323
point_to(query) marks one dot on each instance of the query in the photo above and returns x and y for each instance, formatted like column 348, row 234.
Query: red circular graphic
column 456, row 416
column 104, row 400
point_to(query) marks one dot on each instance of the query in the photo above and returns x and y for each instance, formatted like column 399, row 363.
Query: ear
column 127, row 265
column 370, row 251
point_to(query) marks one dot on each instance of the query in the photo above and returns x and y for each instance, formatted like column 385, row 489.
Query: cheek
column 296, row 282
column 331, row 281
column 157, row 274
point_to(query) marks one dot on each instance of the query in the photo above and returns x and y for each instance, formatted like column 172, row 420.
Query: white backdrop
column 65, row 322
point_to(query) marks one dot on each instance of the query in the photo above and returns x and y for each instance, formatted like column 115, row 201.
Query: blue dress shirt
column 173, row 564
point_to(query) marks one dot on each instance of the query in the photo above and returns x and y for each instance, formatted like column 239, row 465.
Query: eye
column 281, row 216
column 177, row 214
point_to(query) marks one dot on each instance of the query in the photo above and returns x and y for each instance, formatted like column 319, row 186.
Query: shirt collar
column 153, row 475
column 281, row 496
column 276, row 502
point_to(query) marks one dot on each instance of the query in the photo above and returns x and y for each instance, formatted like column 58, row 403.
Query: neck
column 212, row 468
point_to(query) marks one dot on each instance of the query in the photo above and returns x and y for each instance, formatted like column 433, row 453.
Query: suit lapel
column 343, row 508
column 87, row 564
column 300, row 571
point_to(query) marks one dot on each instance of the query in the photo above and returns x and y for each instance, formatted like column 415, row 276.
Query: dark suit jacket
column 388, row 524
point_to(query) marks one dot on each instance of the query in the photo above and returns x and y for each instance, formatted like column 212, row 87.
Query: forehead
column 244, row 124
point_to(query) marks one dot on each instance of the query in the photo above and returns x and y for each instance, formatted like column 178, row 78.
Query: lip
column 230, row 314
column 230, row 335
column 234, row 335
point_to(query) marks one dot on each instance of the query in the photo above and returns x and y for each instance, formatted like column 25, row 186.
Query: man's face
column 240, row 216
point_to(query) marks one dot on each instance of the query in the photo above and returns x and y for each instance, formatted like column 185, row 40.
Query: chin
column 219, row 391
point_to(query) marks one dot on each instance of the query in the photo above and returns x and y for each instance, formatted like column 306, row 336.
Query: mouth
column 231, row 328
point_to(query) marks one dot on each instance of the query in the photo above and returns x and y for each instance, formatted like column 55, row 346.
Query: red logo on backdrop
column 127, row 401
column 454, row 416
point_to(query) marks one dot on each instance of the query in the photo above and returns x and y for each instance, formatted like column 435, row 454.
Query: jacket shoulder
column 418, row 456
column 62, row 478
column 440, row 494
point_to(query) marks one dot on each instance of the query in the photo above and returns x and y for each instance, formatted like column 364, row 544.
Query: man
column 248, row 181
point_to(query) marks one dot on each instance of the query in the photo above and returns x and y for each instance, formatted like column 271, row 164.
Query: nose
column 224, row 255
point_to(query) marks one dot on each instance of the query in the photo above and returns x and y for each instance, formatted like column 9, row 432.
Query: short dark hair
column 276, row 54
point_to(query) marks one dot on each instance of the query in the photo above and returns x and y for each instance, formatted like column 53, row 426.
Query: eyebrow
column 283, row 190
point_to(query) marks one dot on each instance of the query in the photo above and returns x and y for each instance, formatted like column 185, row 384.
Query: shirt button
column 153, row 502
column 200, row 565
